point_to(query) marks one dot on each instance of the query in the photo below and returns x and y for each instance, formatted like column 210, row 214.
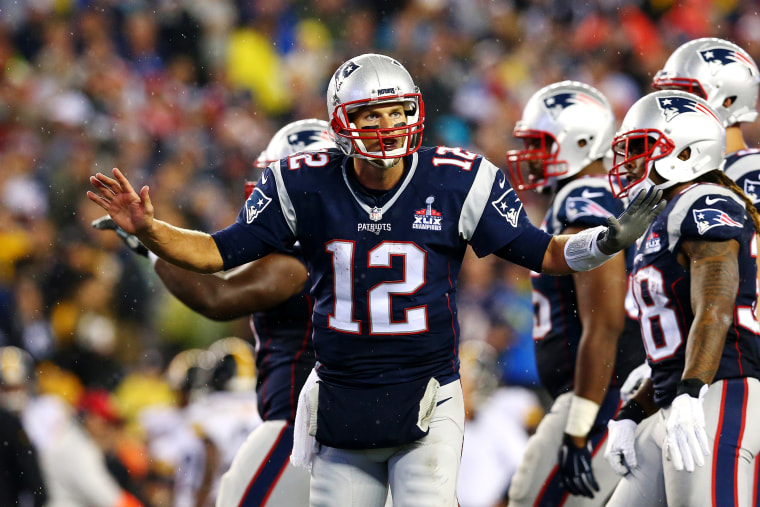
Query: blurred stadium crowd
column 183, row 95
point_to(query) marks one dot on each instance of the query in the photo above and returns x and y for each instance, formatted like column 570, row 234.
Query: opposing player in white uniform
column 228, row 414
column 695, row 287
column 583, row 354
column 383, row 225
column 274, row 292
column 498, row 419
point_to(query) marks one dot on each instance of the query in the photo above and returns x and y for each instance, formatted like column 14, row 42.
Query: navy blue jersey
column 384, row 267
column 284, row 356
column 583, row 202
column 743, row 167
column 662, row 287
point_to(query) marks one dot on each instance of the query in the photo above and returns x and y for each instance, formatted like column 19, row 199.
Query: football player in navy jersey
column 582, row 359
column 694, row 283
column 383, row 225
column 727, row 77
column 274, row 292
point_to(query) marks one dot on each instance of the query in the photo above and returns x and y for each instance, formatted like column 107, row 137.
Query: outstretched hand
column 132, row 212
column 623, row 231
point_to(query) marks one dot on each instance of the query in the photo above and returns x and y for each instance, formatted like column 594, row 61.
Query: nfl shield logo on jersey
column 256, row 204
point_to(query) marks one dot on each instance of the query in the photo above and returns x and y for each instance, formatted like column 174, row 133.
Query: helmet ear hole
column 685, row 154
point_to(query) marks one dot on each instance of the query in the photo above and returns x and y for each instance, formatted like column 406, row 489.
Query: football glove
column 623, row 231
column 619, row 451
column 685, row 436
column 634, row 380
column 575, row 471
column 106, row 223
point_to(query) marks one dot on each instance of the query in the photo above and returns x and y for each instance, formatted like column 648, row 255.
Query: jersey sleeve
column 585, row 206
column 503, row 223
column 708, row 216
column 260, row 227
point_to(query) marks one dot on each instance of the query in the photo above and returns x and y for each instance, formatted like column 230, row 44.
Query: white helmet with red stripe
column 672, row 132
column 565, row 126
column 301, row 135
column 373, row 79
column 717, row 70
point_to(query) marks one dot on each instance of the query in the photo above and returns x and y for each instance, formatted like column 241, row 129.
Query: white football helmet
column 373, row 79
column 676, row 133
column 565, row 126
column 714, row 69
column 297, row 136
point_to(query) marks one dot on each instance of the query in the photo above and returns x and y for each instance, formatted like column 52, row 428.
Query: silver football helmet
column 373, row 79
column 565, row 126
column 672, row 132
column 297, row 136
column 716, row 70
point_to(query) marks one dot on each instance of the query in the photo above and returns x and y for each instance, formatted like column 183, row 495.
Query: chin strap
column 383, row 163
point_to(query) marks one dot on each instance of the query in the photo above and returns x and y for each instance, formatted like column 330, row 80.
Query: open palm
column 133, row 212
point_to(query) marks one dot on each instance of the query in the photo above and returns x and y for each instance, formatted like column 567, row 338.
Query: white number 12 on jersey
column 379, row 296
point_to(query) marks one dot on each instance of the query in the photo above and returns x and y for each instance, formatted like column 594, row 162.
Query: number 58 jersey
column 662, row 287
column 384, row 265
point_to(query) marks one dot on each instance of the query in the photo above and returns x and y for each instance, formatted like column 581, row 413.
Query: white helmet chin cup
column 716, row 70
column 675, row 132
column 565, row 127
column 369, row 80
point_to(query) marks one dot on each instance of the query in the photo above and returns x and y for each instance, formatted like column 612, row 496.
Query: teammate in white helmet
column 274, row 292
column 681, row 439
column 585, row 345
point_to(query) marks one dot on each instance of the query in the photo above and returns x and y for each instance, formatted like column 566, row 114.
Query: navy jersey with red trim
column 662, row 287
column 582, row 202
column 284, row 356
column 384, row 267
column 743, row 167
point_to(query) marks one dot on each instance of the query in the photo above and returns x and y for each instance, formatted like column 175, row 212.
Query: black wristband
column 690, row 386
column 633, row 411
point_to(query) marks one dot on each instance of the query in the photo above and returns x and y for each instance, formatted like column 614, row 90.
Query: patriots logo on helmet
column 256, row 204
column 558, row 102
column 510, row 211
column 581, row 206
column 299, row 140
column 724, row 56
column 673, row 106
column 342, row 73
column 708, row 218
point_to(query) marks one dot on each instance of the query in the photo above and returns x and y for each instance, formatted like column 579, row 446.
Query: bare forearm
column 192, row 250
column 601, row 299
column 714, row 283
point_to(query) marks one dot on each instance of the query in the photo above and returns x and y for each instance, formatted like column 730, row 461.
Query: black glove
column 623, row 231
column 106, row 223
column 575, row 471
